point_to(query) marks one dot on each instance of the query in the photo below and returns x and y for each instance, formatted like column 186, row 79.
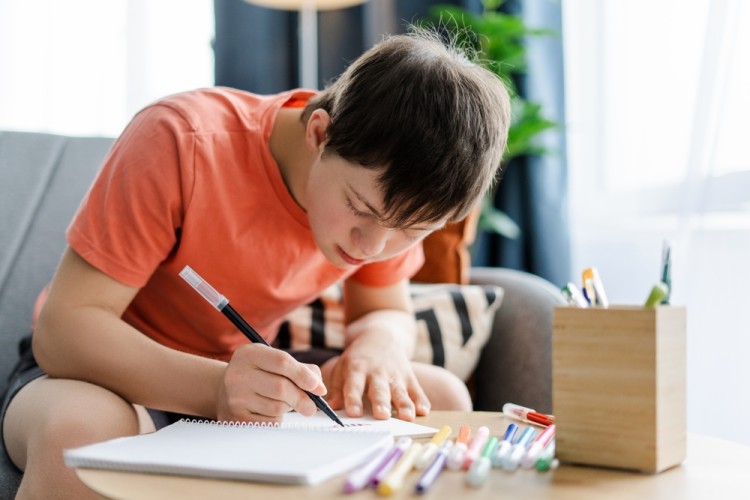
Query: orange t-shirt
column 191, row 181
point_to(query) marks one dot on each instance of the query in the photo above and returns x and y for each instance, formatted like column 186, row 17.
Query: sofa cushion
column 42, row 180
column 446, row 252
column 454, row 323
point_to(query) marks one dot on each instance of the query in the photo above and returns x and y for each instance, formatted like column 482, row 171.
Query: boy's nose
column 370, row 241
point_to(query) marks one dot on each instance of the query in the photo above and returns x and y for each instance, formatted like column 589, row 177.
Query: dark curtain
column 534, row 190
column 256, row 50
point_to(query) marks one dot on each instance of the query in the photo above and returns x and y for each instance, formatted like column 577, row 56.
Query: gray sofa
column 42, row 179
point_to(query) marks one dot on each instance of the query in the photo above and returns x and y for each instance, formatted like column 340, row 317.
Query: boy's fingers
column 332, row 369
column 304, row 405
column 402, row 402
column 354, row 388
column 420, row 399
column 380, row 396
column 320, row 389
column 282, row 363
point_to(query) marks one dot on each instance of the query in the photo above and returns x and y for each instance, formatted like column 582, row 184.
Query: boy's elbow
column 44, row 344
column 40, row 347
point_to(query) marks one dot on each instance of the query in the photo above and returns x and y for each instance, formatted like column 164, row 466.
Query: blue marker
column 519, row 449
column 503, row 450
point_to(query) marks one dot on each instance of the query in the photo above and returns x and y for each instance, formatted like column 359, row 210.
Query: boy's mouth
column 348, row 258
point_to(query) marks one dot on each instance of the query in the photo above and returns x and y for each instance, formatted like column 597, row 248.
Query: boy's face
column 344, row 204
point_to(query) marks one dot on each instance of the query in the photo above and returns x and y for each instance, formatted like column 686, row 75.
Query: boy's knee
column 92, row 421
column 444, row 389
column 456, row 395
column 87, row 414
column 55, row 415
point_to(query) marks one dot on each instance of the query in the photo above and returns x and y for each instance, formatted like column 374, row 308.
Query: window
column 85, row 67
column 657, row 102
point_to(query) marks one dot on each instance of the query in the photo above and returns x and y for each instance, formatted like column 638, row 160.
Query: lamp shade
column 300, row 4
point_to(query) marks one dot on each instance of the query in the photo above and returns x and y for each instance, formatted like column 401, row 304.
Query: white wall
column 657, row 105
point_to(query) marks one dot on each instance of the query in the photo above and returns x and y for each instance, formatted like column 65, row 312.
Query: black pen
column 222, row 304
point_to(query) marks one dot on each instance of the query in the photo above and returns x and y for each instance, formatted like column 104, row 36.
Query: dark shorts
column 27, row 369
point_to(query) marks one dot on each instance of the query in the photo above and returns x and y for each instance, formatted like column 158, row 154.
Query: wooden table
column 714, row 468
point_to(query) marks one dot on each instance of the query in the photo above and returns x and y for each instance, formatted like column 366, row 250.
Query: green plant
column 499, row 40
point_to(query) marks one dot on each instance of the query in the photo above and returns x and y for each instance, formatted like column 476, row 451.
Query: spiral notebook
column 292, row 453
column 287, row 455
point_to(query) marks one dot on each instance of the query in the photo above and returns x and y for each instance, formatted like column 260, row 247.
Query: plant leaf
column 496, row 221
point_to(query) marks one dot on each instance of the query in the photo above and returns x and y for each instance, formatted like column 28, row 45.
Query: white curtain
column 658, row 100
column 84, row 67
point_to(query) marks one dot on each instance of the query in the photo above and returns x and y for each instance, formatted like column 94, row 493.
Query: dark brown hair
column 422, row 111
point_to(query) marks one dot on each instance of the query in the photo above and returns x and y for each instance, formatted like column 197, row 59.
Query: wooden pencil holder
column 618, row 386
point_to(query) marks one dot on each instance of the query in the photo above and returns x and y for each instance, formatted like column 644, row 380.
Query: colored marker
column 432, row 471
column 395, row 479
column 591, row 275
column 547, row 460
column 666, row 270
column 482, row 465
column 456, row 456
column 519, row 449
column 396, row 452
column 573, row 295
column 588, row 292
column 475, row 447
column 362, row 476
column 428, row 452
column 537, row 446
column 527, row 414
column 503, row 449
column 657, row 295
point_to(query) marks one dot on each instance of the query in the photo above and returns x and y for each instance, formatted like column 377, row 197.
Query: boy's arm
column 376, row 363
column 80, row 335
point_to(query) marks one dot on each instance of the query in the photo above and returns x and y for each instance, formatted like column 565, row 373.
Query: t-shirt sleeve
column 391, row 271
column 130, row 220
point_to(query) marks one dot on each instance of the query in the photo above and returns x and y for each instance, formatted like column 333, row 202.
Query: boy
column 271, row 199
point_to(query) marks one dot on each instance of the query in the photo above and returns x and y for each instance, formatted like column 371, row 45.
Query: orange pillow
column 446, row 252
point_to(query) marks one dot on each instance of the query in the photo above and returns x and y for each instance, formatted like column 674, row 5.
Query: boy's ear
column 316, row 133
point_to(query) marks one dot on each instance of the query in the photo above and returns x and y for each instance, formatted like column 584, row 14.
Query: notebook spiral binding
column 286, row 426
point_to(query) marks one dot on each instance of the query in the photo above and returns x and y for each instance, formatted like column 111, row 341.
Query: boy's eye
column 354, row 210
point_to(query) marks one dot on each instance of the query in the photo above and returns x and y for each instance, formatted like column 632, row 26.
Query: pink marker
column 537, row 446
column 475, row 447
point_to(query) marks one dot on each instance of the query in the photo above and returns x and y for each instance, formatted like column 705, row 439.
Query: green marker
column 547, row 460
column 658, row 293
column 480, row 467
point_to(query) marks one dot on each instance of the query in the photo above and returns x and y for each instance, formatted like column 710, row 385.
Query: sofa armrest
column 516, row 364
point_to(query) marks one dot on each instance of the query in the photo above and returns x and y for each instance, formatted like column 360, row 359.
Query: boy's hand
column 261, row 383
column 377, row 366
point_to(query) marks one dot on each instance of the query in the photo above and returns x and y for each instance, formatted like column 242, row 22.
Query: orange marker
column 456, row 456
column 592, row 281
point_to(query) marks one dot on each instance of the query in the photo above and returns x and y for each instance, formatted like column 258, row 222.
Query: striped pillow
column 454, row 323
